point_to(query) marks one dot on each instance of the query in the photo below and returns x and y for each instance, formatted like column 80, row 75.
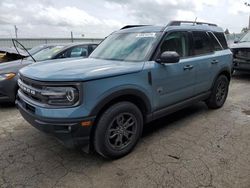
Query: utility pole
column 72, row 38
column 16, row 29
column 248, row 5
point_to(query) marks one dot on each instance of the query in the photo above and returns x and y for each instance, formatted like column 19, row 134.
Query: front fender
column 117, row 92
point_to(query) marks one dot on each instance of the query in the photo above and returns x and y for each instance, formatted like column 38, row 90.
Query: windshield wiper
column 243, row 41
column 14, row 40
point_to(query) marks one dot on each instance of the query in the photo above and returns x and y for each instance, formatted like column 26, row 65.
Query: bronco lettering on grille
column 26, row 89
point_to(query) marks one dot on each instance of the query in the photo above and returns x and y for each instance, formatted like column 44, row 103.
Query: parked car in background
column 136, row 75
column 60, row 51
column 38, row 48
column 241, row 53
column 9, row 70
column 11, row 54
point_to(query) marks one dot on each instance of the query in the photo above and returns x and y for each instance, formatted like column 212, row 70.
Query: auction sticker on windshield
column 144, row 35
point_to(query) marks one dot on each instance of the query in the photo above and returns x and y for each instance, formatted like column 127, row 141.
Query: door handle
column 214, row 62
column 188, row 67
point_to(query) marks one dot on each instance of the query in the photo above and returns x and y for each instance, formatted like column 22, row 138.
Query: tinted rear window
column 215, row 43
column 201, row 43
column 222, row 39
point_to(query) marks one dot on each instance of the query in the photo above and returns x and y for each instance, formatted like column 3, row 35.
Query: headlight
column 61, row 96
column 7, row 76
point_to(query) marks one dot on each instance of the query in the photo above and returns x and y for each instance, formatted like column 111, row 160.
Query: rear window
column 215, row 43
column 201, row 43
column 222, row 39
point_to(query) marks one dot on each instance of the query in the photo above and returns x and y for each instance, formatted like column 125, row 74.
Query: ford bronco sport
column 136, row 75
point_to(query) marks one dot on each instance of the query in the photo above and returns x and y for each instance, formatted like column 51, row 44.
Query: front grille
column 30, row 108
column 31, row 89
column 36, row 92
column 243, row 54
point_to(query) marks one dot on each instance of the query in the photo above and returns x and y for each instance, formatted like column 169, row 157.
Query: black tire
column 118, row 130
column 219, row 93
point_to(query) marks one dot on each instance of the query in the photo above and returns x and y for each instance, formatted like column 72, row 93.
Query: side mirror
column 169, row 57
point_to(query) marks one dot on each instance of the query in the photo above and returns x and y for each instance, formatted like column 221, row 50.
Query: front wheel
column 118, row 130
column 219, row 93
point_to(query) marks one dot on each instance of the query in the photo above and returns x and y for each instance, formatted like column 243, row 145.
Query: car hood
column 13, row 50
column 240, row 45
column 13, row 66
column 79, row 70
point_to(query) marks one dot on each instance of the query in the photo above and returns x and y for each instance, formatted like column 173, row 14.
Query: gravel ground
column 195, row 147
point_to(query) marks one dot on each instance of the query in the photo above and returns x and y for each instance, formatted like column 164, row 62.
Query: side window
column 215, row 43
column 222, row 39
column 201, row 43
column 94, row 46
column 64, row 54
column 176, row 41
column 79, row 51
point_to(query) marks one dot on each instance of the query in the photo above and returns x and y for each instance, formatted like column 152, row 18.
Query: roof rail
column 131, row 26
column 178, row 23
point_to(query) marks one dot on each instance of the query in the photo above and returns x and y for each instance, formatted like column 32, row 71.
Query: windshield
column 36, row 49
column 246, row 38
column 125, row 47
column 46, row 53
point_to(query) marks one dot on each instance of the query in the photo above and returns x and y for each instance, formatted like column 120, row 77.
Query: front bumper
column 8, row 89
column 241, row 64
column 68, row 131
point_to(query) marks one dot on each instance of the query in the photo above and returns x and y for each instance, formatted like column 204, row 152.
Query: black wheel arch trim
column 120, row 93
column 222, row 71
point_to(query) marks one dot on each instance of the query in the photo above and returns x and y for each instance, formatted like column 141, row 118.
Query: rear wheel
column 118, row 130
column 219, row 93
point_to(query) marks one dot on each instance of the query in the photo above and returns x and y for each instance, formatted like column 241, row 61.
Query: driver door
column 174, row 82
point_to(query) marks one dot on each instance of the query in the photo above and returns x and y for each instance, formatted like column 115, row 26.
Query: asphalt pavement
column 195, row 147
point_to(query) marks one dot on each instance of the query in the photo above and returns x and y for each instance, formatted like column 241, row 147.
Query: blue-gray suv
column 136, row 75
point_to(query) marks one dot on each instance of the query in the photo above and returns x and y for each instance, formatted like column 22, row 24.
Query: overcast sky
column 98, row 18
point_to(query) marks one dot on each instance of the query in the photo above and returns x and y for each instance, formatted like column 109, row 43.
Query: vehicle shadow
column 171, row 120
column 7, row 105
column 163, row 124
column 41, row 154
column 241, row 76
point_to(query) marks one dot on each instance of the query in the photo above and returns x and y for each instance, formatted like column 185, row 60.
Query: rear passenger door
column 204, row 59
column 222, row 53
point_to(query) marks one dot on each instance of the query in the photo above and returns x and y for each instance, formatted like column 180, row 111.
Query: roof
column 174, row 25
column 195, row 28
column 142, row 29
column 67, row 44
column 78, row 43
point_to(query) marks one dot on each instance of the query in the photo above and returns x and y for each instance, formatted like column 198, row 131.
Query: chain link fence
column 31, row 42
